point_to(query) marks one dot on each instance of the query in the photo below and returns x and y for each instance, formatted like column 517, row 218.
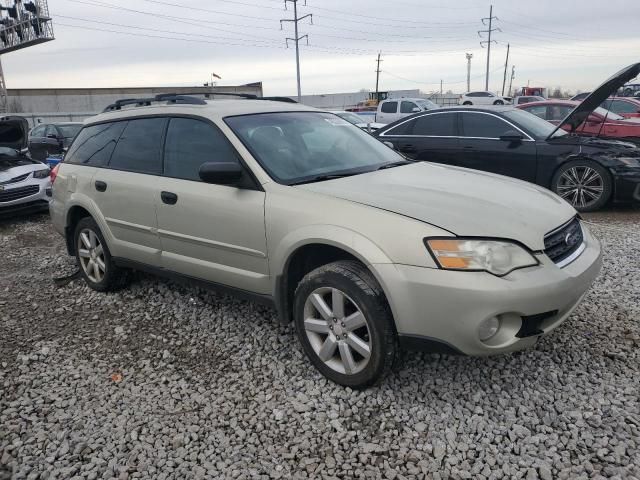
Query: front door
column 210, row 232
column 36, row 143
column 482, row 149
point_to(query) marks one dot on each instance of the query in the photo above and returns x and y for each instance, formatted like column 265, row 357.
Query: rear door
column 211, row 232
column 52, row 142
column 431, row 137
column 482, row 149
column 388, row 112
column 125, row 191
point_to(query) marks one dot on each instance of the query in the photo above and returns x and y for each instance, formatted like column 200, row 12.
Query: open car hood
column 13, row 132
column 579, row 114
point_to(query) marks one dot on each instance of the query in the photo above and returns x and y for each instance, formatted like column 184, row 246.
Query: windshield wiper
column 321, row 178
column 394, row 164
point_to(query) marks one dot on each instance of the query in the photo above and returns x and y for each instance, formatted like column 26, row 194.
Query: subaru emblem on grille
column 570, row 239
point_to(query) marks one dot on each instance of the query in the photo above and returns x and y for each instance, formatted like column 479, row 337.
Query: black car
column 51, row 138
column 585, row 171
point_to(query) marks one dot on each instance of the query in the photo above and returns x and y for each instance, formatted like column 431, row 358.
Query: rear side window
column 480, row 125
column 407, row 107
column 436, row 125
column 190, row 143
column 94, row 145
column 619, row 106
column 389, row 107
column 140, row 146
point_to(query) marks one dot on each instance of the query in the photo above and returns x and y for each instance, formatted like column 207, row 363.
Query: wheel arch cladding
column 302, row 260
column 74, row 215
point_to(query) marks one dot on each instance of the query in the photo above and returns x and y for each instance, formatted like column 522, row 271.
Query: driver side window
column 407, row 107
column 189, row 144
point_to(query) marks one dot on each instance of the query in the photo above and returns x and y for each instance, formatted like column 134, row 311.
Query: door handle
column 468, row 147
column 169, row 198
column 100, row 185
column 407, row 148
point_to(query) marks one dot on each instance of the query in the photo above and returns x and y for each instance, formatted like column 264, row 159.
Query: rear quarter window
column 389, row 107
column 94, row 144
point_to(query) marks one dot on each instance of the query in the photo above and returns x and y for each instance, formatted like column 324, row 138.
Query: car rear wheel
column 584, row 184
column 498, row 102
column 94, row 258
column 344, row 324
column 467, row 103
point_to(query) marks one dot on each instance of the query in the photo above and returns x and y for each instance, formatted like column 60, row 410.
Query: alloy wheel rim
column 91, row 254
column 337, row 330
column 581, row 186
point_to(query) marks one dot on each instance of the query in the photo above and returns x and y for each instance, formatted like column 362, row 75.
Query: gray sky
column 575, row 44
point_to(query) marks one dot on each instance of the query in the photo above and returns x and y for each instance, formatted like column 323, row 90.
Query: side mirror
column 416, row 110
column 512, row 136
column 221, row 173
column 52, row 136
column 390, row 145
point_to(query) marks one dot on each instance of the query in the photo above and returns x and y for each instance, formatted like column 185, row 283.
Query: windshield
column 536, row 126
column 426, row 104
column 350, row 117
column 294, row 147
column 69, row 131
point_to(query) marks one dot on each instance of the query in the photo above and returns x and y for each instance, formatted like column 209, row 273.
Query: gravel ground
column 165, row 381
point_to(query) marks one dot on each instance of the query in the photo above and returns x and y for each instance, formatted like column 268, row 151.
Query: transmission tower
column 488, row 42
column 296, row 19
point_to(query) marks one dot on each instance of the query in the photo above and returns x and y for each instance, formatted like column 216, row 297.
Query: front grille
column 562, row 242
column 16, row 179
column 18, row 193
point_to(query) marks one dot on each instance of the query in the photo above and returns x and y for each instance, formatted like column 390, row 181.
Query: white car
column 394, row 109
column 23, row 182
column 482, row 98
column 358, row 121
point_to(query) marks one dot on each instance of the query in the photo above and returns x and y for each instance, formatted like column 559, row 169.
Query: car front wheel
column 467, row 103
column 498, row 102
column 584, row 184
column 344, row 324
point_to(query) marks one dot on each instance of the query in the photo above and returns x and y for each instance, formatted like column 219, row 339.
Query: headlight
column 41, row 173
column 630, row 161
column 494, row 256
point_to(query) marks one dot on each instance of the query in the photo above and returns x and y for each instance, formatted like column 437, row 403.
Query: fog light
column 488, row 328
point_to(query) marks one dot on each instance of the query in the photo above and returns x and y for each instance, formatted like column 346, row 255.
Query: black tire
column 114, row 278
column 362, row 289
column 605, row 185
column 467, row 103
column 498, row 102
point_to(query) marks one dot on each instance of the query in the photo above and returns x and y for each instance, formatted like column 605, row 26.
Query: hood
column 579, row 114
column 462, row 201
column 13, row 132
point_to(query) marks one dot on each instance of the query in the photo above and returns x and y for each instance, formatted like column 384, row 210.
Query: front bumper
column 24, row 197
column 444, row 310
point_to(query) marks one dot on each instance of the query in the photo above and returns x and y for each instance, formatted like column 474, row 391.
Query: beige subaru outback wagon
column 366, row 252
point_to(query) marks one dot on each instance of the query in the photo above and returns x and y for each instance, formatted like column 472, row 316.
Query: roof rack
column 186, row 99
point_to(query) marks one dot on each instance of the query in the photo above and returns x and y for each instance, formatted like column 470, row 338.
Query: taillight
column 54, row 173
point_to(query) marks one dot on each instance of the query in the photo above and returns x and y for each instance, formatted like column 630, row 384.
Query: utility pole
column 488, row 42
column 469, row 57
column 4, row 99
column 506, row 64
column 378, row 77
column 513, row 75
column 440, row 87
column 297, row 38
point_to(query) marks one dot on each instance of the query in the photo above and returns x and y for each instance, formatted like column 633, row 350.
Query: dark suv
column 51, row 138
